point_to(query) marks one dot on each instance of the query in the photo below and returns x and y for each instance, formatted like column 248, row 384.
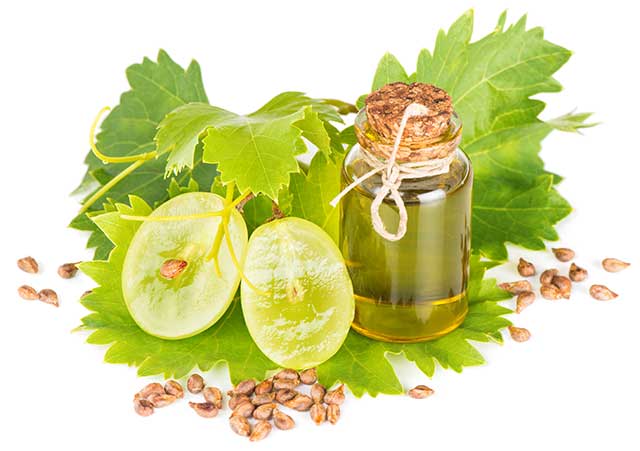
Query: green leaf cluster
column 202, row 147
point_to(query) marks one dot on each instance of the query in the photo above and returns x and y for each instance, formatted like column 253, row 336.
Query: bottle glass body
column 413, row 289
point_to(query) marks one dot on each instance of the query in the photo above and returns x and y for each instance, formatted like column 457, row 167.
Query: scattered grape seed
column 309, row 377
column 576, row 273
column 563, row 254
column 287, row 374
column 143, row 407
column 333, row 413
column 195, row 384
column 519, row 334
column 614, row 265
column 525, row 268
column 285, row 395
column 213, row 395
column 285, row 384
column 547, row 275
column 318, row 413
column 264, row 411
column 563, row 284
column 550, row 292
column 48, row 296
column 68, row 270
column 282, row 421
column 28, row 264
column 260, row 431
column 240, row 425
column 28, row 293
column 301, row 403
column 420, row 392
column 244, row 409
column 264, row 398
column 601, row 293
column 236, row 400
column 524, row 300
column 204, row 409
column 150, row 389
column 264, row 387
column 335, row 396
column 516, row 287
column 174, row 388
column 245, row 387
column 161, row 399
column 317, row 392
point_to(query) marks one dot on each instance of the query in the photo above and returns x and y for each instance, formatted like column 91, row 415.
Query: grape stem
column 231, row 187
column 234, row 258
column 342, row 107
column 213, row 254
column 223, row 231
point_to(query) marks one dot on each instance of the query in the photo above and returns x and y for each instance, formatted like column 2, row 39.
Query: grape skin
column 305, row 316
column 198, row 297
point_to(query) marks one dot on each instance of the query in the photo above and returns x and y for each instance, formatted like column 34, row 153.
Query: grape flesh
column 305, row 306
column 198, row 297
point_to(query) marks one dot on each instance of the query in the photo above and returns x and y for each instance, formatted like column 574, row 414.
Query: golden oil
column 413, row 289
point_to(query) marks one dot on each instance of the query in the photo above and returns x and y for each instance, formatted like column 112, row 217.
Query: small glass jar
column 413, row 289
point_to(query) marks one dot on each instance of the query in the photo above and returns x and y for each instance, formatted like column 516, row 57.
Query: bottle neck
column 411, row 150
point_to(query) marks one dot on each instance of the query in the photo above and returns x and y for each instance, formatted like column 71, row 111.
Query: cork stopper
column 427, row 136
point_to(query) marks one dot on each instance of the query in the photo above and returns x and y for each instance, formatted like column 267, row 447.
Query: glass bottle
column 415, row 288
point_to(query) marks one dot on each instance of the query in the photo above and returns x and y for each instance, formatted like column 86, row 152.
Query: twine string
column 392, row 175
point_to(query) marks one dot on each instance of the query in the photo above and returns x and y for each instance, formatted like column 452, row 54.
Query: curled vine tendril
column 135, row 160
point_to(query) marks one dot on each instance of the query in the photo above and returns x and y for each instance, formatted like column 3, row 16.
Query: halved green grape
column 186, row 304
column 303, row 311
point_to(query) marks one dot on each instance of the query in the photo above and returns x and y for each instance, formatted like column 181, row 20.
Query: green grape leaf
column 313, row 129
column 255, row 150
column 257, row 211
column 175, row 189
column 572, row 122
column 266, row 142
column 265, row 147
column 348, row 136
column 389, row 70
column 179, row 133
column 516, row 214
column 312, row 192
column 491, row 82
column 157, row 88
column 226, row 341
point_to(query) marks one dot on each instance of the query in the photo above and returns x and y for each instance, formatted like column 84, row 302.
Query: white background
column 574, row 385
